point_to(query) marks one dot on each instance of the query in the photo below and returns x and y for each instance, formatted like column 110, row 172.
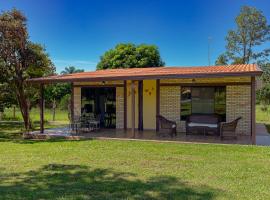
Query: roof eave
column 143, row 77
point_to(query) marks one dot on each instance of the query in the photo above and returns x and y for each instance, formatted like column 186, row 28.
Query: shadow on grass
column 57, row 181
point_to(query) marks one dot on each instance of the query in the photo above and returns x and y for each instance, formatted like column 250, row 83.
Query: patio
column 107, row 134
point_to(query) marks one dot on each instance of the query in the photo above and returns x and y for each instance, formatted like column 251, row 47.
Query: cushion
column 194, row 124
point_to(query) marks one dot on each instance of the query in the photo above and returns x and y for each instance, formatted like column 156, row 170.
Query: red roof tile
column 155, row 73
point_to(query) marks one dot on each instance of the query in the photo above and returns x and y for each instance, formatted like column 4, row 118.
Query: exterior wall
column 77, row 101
column 238, row 104
column 170, row 103
column 149, row 104
column 120, row 107
column 129, row 123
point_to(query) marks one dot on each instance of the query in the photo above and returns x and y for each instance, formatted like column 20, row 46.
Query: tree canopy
column 131, row 56
column 21, row 59
column 251, row 32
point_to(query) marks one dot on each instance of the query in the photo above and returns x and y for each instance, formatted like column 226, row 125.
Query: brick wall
column 119, row 107
column 170, row 103
column 77, row 101
column 238, row 104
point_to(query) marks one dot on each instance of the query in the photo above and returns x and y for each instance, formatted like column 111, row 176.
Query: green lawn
column 61, row 115
column 263, row 116
column 96, row 169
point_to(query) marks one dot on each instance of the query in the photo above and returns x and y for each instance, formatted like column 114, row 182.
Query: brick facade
column 238, row 104
column 77, row 101
column 170, row 103
column 120, row 107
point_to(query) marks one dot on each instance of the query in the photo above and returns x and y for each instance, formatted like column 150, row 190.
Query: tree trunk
column 24, row 106
column 14, row 112
column 54, row 106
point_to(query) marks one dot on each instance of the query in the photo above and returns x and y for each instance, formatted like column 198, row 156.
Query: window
column 185, row 102
column 203, row 100
column 99, row 103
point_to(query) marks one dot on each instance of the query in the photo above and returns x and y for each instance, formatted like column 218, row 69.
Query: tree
column 251, row 32
column 21, row 59
column 222, row 60
column 71, row 70
column 59, row 93
column 130, row 56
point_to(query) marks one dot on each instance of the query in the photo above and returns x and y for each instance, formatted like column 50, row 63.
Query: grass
column 97, row 169
column 61, row 115
column 263, row 116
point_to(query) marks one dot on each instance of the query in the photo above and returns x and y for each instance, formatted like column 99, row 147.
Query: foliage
column 59, row 94
column 55, row 92
column 7, row 97
column 21, row 59
column 263, row 94
column 252, row 31
column 71, row 70
column 130, row 56
column 65, row 102
column 222, row 60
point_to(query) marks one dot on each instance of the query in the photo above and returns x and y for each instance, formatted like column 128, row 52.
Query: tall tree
column 130, row 56
column 222, row 60
column 21, row 59
column 71, row 70
column 251, row 32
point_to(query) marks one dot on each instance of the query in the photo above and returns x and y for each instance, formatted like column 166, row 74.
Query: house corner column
column 72, row 103
column 157, row 102
column 133, row 108
column 253, row 110
column 125, row 105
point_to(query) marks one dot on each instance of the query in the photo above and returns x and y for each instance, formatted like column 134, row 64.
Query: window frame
column 214, row 100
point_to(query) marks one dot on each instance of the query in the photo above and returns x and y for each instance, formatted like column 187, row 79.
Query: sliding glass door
column 100, row 103
column 204, row 101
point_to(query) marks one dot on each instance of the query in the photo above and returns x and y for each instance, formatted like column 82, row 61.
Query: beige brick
column 77, row 101
column 119, row 107
column 170, row 103
column 238, row 104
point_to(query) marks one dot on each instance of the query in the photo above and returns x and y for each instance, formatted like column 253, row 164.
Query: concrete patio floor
column 263, row 137
column 146, row 135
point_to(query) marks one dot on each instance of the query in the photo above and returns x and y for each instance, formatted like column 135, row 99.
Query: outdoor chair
column 74, row 124
column 228, row 129
column 166, row 126
column 94, row 123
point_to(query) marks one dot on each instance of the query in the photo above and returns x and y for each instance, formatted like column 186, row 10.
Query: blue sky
column 78, row 32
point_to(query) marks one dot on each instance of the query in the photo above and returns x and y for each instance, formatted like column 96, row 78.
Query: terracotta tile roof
column 155, row 73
